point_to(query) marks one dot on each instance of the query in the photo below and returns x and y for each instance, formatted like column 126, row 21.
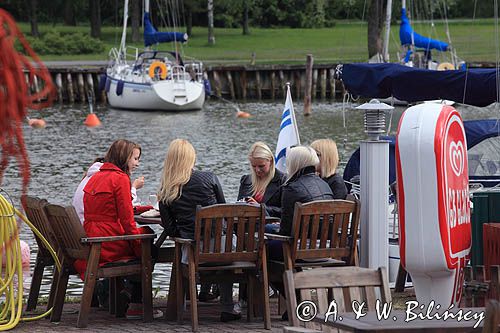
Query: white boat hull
column 156, row 96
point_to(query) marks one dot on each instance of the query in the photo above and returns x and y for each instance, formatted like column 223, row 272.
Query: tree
column 69, row 13
column 33, row 4
column 95, row 18
column 376, row 15
column 210, row 10
column 246, row 28
column 136, row 20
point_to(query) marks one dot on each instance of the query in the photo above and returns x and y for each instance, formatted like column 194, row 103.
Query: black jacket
column 272, row 195
column 178, row 218
column 304, row 186
column 337, row 186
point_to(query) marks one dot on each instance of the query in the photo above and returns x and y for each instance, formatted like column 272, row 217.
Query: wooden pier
column 77, row 82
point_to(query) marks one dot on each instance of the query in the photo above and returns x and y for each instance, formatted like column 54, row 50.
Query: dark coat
column 304, row 186
column 337, row 186
column 178, row 218
column 272, row 195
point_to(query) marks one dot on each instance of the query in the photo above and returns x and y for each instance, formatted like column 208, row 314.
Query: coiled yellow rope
column 11, row 303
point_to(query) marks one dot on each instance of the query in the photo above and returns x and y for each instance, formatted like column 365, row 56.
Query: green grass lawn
column 345, row 42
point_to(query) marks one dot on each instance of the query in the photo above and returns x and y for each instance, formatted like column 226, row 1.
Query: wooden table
column 370, row 323
column 165, row 255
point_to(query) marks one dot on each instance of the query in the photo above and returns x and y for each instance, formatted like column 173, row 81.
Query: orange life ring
column 445, row 66
column 161, row 66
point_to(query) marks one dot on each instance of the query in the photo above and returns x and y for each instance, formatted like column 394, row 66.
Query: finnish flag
column 289, row 134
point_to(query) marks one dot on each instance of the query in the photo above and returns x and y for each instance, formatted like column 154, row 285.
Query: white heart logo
column 457, row 157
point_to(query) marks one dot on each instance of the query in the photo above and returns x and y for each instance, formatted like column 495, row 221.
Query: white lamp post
column 374, row 180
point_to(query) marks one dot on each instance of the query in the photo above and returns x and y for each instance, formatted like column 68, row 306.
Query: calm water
column 62, row 151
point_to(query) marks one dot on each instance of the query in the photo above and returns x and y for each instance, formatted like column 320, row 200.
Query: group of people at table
column 104, row 200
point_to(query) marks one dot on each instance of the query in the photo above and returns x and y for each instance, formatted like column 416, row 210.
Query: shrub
column 53, row 42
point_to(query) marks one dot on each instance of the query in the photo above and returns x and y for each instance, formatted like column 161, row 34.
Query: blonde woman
column 181, row 189
column 263, row 184
column 328, row 155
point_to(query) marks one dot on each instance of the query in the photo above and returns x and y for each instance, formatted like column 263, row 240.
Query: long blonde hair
column 260, row 150
column 177, row 170
column 298, row 158
column 328, row 156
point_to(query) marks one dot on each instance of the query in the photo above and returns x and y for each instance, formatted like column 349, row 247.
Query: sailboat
column 153, row 80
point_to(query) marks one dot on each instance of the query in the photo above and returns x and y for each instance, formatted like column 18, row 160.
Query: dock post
column 90, row 86
column 81, row 87
column 71, row 92
column 59, row 87
column 332, row 84
column 258, row 85
column 314, row 85
column 323, row 84
column 244, row 84
column 273, row 85
column 217, row 84
column 282, row 84
column 230, row 84
column 308, row 85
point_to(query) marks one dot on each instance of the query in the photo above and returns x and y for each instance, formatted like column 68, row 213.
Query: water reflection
column 61, row 152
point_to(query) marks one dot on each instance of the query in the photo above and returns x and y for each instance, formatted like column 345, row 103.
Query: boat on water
column 151, row 79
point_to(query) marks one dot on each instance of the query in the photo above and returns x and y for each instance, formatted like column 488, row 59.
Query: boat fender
column 107, row 85
column 102, row 82
column 208, row 87
column 161, row 66
column 445, row 66
column 119, row 87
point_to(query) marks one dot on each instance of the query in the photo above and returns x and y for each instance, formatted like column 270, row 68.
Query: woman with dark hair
column 108, row 212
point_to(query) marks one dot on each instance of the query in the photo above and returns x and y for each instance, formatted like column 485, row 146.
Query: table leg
column 172, row 298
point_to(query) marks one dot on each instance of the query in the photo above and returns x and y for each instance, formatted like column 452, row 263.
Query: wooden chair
column 75, row 245
column 35, row 212
column 324, row 233
column 213, row 259
column 340, row 284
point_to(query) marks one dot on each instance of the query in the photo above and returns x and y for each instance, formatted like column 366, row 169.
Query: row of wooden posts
column 238, row 83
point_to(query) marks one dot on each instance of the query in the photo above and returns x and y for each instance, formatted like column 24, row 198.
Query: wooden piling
column 258, row 85
column 308, row 85
column 230, row 84
column 59, row 87
column 244, row 85
column 332, row 83
column 90, row 87
column 314, row 85
column 71, row 93
column 323, row 84
column 273, row 85
column 81, row 87
column 218, row 87
column 282, row 84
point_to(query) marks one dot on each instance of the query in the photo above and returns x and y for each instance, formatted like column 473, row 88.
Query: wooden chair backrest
column 35, row 212
column 340, row 284
column 241, row 224
column 68, row 231
column 325, row 229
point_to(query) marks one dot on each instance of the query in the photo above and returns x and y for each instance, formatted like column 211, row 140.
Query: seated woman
column 263, row 185
column 181, row 190
column 302, row 185
column 326, row 149
column 108, row 212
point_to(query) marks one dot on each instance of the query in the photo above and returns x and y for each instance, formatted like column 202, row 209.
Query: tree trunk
column 33, row 18
column 136, row 20
column 95, row 18
column 246, row 28
column 210, row 10
column 188, row 9
column 376, row 15
column 69, row 13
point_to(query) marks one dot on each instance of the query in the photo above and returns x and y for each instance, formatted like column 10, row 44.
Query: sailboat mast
column 124, row 32
column 146, row 6
column 388, row 14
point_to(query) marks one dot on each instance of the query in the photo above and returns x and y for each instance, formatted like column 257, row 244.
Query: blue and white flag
column 289, row 133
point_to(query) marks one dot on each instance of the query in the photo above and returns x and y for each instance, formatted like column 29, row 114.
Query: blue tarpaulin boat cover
column 476, row 131
column 471, row 86
column 152, row 36
column 408, row 37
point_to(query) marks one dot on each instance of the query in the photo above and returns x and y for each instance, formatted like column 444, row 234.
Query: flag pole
column 295, row 127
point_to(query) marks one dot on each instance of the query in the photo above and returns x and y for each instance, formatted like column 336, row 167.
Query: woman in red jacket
column 108, row 211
